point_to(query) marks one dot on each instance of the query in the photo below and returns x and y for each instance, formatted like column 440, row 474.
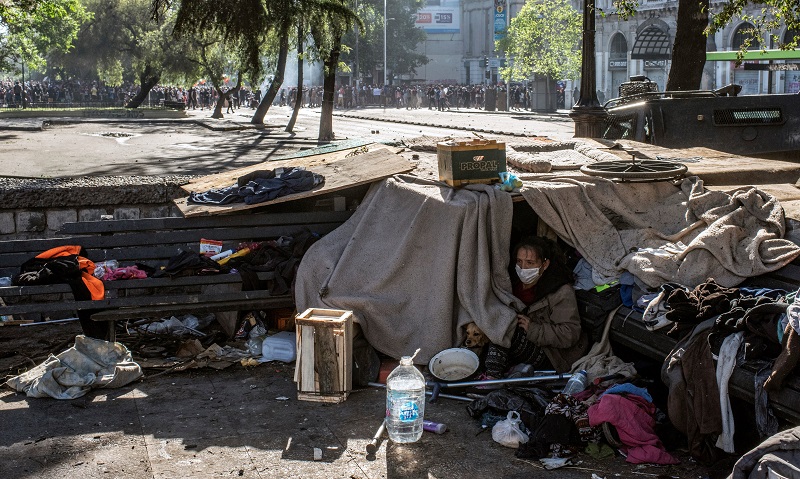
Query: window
column 619, row 47
column 741, row 35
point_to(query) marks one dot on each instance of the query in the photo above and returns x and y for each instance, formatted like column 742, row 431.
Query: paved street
column 185, row 147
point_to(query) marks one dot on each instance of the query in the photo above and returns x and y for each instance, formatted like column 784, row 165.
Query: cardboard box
column 470, row 161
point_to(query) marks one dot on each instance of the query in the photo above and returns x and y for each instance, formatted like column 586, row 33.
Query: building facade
column 458, row 55
column 641, row 45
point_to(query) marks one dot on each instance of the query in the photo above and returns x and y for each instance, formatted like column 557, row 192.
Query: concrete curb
column 433, row 125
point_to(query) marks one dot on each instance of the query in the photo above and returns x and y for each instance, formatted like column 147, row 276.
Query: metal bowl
column 453, row 364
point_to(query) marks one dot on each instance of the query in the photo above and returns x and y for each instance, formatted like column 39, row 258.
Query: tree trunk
column 298, row 99
column 277, row 81
column 329, row 84
column 225, row 96
column 147, row 80
column 218, row 106
column 689, row 47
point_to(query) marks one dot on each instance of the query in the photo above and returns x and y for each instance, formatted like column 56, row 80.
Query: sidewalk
column 247, row 422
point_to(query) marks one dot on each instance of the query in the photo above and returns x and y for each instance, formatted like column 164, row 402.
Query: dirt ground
column 246, row 422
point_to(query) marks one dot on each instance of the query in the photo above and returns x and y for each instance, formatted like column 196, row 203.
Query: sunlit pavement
column 556, row 125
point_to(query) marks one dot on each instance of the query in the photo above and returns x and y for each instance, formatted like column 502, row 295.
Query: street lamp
column 385, row 21
column 587, row 114
column 358, row 34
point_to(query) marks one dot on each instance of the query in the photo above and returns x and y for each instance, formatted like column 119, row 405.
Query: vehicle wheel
column 652, row 170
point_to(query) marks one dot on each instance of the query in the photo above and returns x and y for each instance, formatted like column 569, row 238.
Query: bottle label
column 408, row 412
column 402, row 408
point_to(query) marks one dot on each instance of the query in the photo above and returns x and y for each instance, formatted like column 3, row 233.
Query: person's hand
column 523, row 322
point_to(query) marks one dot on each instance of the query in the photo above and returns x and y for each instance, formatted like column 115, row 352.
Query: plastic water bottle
column 405, row 402
column 577, row 383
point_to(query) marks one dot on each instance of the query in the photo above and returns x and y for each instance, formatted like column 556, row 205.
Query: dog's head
column 475, row 337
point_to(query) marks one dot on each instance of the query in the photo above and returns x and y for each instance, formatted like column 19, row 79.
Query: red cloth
column 94, row 285
column 632, row 416
column 527, row 296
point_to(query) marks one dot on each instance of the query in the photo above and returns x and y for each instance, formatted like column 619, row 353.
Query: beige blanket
column 415, row 263
column 661, row 232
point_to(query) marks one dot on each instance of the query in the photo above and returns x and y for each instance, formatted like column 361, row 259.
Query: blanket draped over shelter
column 663, row 232
column 415, row 263
column 90, row 363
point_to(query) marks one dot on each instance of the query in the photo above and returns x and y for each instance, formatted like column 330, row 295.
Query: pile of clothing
column 621, row 416
column 260, row 186
column 720, row 328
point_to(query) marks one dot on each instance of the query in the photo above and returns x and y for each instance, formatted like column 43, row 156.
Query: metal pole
column 494, row 382
column 430, row 393
column 358, row 34
column 588, row 114
column 385, row 65
column 505, row 55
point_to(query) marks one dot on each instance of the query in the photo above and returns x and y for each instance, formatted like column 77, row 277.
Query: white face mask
column 527, row 276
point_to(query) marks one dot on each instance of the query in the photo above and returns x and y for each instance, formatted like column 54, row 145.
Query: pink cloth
column 130, row 272
column 632, row 416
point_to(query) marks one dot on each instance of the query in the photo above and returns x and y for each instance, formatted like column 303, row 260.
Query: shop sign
column 618, row 64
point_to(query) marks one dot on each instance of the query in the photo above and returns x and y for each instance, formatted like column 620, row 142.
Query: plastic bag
column 104, row 267
column 508, row 432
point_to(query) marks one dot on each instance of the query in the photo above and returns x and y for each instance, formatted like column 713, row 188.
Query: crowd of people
column 434, row 97
column 14, row 94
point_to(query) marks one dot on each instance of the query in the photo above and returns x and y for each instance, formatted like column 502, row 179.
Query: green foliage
column 543, row 39
column 248, row 35
column 122, row 41
column 402, row 37
column 33, row 28
column 766, row 21
column 111, row 73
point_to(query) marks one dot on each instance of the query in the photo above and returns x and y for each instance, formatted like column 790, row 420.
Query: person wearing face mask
column 548, row 333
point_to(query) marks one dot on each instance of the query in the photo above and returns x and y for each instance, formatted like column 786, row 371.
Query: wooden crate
column 323, row 371
column 463, row 162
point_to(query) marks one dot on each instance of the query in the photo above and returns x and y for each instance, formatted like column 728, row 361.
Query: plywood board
column 303, row 158
column 344, row 173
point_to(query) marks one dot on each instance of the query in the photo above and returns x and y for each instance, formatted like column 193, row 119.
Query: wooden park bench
column 628, row 331
column 153, row 242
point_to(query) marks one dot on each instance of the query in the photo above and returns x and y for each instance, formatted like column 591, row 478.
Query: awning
column 730, row 56
column 652, row 43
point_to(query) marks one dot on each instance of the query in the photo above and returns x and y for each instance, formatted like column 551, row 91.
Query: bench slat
column 205, row 307
column 138, row 301
column 169, row 223
column 126, row 284
column 169, row 237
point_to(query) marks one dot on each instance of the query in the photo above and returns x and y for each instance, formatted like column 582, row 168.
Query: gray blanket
column 415, row 263
column 661, row 232
column 90, row 363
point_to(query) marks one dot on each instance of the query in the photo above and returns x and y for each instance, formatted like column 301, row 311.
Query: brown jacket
column 556, row 327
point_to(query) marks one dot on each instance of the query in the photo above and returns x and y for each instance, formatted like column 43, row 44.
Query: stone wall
column 38, row 208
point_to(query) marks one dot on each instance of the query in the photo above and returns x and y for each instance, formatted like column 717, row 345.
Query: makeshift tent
column 419, row 260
